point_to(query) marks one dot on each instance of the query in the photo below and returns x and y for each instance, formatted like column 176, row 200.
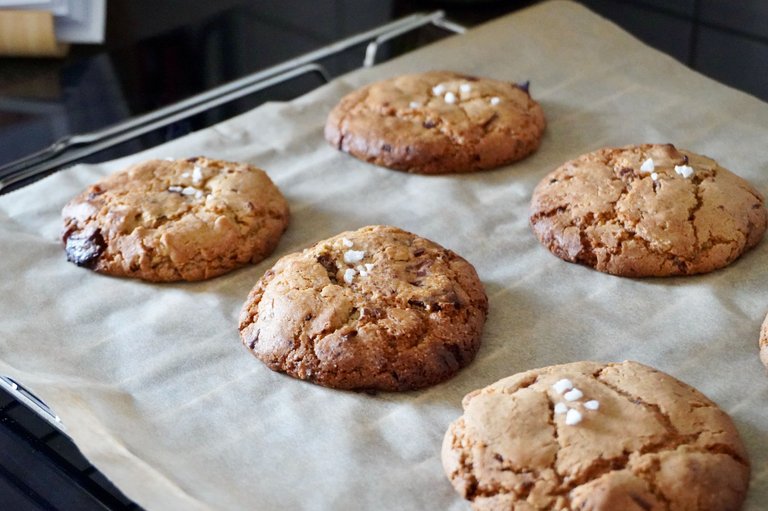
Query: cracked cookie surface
column 374, row 309
column 437, row 122
column 170, row 220
column 647, row 210
column 643, row 441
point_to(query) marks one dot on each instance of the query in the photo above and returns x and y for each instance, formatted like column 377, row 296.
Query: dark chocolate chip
column 417, row 303
column 84, row 249
column 329, row 264
column 373, row 312
column 255, row 340
column 386, row 148
column 421, row 269
column 429, row 123
column 458, row 356
column 524, row 86
column 627, row 171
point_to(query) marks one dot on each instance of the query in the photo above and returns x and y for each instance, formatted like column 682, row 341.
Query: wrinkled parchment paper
column 153, row 384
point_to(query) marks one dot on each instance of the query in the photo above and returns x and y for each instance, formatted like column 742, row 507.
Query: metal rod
column 436, row 18
column 32, row 402
column 78, row 153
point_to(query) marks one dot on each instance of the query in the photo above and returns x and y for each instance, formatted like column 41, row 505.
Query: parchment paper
column 153, row 383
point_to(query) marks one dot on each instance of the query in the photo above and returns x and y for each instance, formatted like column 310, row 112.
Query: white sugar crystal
column 189, row 190
column 199, row 194
column 573, row 395
column 175, row 189
column 648, row 166
column 573, row 417
column 185, row 174
column 684, row 170
column 197, row 174
column 450, row 97
column 561, row 408
column 346, row 242
column 592, row 404
column 438, row 89
column 654, row 176
column 368, row 266
column 168, row 158
column 495, row 101
column 562, row 385
column 362, row 271
column 465, row 88
column 353, row 256
column 349, row 275
column 414, row 104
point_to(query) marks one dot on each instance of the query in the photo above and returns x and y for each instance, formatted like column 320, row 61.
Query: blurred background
column 157, row 52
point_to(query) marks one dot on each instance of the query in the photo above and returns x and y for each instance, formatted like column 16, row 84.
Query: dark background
column 158, row 52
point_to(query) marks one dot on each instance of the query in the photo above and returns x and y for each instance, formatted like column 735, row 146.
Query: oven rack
column 70, row 149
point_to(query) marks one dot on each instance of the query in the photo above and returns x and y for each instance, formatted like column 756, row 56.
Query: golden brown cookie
column 764, row 343
column 597, row 437
column 647, row 211
column 437, row 123
column 168, row 220
column 374, row 309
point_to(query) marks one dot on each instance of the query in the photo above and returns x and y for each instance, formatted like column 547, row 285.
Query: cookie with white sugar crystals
column 374, row 309
column 437, row 122
column 170, row 220
column 764, row 343
column 647, row 210
column 595, row 436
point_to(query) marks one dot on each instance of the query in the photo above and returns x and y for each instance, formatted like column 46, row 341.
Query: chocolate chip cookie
column 169, row 220
column 374, row 309
column 437, row 123
column 647, row 210
column 599, row 437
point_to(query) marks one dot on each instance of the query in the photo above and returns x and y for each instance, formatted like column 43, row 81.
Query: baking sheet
column 153, row 383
